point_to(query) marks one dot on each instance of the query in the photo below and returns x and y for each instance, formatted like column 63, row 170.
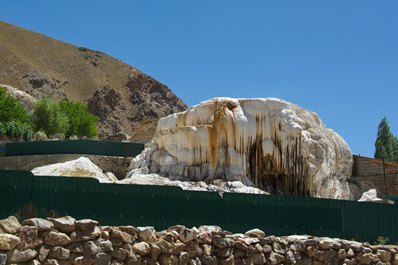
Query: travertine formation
column 276, row 145
column 68, row 241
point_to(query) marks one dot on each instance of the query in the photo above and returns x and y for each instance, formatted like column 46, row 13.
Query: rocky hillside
column 125, row 99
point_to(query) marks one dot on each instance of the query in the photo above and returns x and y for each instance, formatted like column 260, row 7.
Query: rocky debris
column 178, row 245
column 370, row 196
column 215, row 185
column 81, row 167
column 278, row 146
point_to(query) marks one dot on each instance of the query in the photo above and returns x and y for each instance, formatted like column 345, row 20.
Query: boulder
column 17, row 256
column 43, row 253
column 56, row 239
column 40, row 223
column 59, row 253
column 8, row 242
column 141, row 248
column 370, row 196
column 90, row 248
column 29, row 237
column 85, row 235
column 106, row 246
column 255, row 233
column 10, row 225
column 185, row 235
column 86, row 224
column 81, row 167
column 65, row 224
column 270, row 143
column 147, row 233
column 122, row 236
column 155, row 251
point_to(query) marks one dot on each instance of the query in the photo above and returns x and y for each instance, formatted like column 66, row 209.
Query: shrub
column 81, row 122
column 11, row 109
column 48, row 117
column 14, row 118
column 17, row 129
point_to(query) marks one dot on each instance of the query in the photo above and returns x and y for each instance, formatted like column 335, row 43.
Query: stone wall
column 368, row 174
column 67, row 241
column 116, row 165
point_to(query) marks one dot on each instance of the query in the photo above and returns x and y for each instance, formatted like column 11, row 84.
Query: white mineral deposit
column 271, row 143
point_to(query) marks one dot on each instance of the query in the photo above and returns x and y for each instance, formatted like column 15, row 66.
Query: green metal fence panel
column 87, row 147
column 2, row 150
column 15, row 193
column 26, row 195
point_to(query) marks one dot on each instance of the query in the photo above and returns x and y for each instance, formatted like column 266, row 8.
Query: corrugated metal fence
column 26, row 195
column 88, row 147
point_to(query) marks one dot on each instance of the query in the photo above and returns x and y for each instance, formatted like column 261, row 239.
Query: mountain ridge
column 124, row 98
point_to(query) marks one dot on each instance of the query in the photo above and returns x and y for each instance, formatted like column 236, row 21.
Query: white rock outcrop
column 22, row 96
column 277, row 145
column 370, row 196
column 81, row 167
column 217, row 186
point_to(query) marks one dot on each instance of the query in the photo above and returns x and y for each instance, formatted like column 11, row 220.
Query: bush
column 16, row 129
column 81, row 122
column 53, row 118
column 48, row 117
column 68, row 118
column 11, row 109
column 14, row 118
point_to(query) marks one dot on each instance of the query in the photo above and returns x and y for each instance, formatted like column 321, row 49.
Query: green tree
column 49, row 118
column 386, row 143
column 11, row 109
column 81, row 122
column 14, row 118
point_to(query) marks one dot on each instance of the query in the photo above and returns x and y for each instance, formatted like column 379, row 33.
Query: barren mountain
column 124, row 98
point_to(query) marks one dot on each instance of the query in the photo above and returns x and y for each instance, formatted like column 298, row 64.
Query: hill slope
column 124, row 98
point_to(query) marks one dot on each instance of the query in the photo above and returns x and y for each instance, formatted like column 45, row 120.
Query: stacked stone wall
column 68, row 241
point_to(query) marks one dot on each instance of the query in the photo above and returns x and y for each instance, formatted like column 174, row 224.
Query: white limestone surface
column 370, row 196
column 217, row 186
column 81, row 167
column 277, row 145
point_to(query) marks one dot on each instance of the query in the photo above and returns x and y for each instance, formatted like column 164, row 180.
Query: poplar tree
column 386, row 144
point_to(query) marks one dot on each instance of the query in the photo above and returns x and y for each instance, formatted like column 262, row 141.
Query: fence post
column 385, row 180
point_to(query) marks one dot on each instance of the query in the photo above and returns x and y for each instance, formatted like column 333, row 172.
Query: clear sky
column 337, row 58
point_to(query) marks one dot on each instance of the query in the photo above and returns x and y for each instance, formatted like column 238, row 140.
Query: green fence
column 26, row 195
column 87, row 147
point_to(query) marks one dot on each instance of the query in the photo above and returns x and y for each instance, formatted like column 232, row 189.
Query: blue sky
column 337, row 58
